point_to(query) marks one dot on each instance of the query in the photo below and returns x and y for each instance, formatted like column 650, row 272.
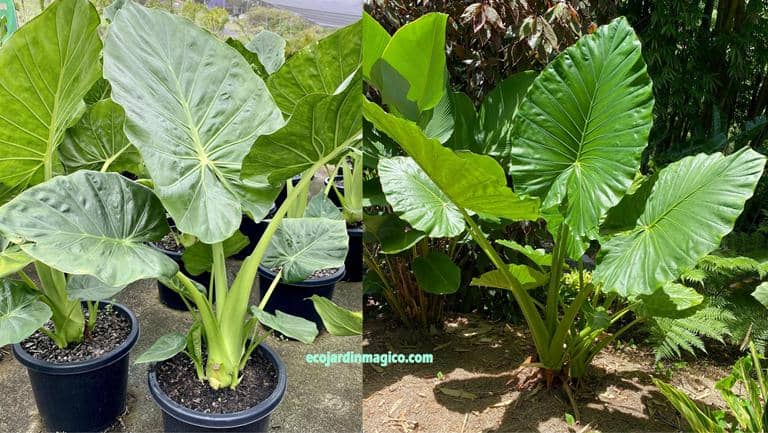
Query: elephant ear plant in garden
column 215, row 144
column 574, row 145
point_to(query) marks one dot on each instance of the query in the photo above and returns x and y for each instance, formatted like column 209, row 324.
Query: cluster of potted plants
column 176, row 126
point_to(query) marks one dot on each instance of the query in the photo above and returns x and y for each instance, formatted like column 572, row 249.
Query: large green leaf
column 376, row 39
column 470, row 181
column 392, row 233
column 319, row 126
column 302, row 246
column 98, row 140
column 12, row 258
column 21, row 311
column 418, row 200
column 47, row 66
column 693, row 204
column 414, row 56
column 338, row 321
column 270, row 48
column 320, row 67
column 579, row 133
column 193, row 109
column 295, row 327
column 436, row 273
column 674, row 300
column 90, row 288
column 91, row 223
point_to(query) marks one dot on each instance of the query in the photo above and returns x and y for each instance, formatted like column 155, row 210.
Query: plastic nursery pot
column 168, row 297
column 83, row 396
column 177, row 418
column 354, row 261
column 290, row 298
column 254, row 231
column 339, row 179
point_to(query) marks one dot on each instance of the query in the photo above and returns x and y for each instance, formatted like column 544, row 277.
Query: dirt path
column 466, row 390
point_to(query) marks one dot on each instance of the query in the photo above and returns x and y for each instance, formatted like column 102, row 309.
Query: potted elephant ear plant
column 83, row 233
column 201, row 119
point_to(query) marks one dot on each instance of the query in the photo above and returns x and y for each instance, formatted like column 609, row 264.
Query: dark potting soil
column 322, row 273
column 178, row 379
column 110, row 331
column 168, row 243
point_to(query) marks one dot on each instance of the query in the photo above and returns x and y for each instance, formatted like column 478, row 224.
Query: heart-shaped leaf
column 470, row 181
column 193, row 109
column 302, row 246
column 436, row 273
column 320, row 125
column 90, row 288
column 98, row 141
column 579, row 133
column 417, row 199
column 291, row 326
column 338, row 321
column 47, row 66
column 91, row 223
column 693, row 204
column 320, row 67
column 270, row 48
column 21, row 311
column 166, row 347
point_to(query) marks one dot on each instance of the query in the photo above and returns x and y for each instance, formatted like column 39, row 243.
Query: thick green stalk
column 220, row 283
column 541, row 336
column 556, row 273
column 68, row 318
column 556, row 349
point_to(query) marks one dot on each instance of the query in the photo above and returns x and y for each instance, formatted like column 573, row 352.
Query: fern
column 671, row 337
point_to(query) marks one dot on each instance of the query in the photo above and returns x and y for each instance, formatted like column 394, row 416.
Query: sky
column 330, row 13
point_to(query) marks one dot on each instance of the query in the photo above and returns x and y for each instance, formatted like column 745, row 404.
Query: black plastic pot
column 168, row 297
column 177, row 418
column 253, row 230
column 290, row 298
column 339, row 179
column 354, row 261
column 83, row 396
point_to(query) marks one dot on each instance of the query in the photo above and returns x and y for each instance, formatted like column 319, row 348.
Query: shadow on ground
column 467, row 387
column 319, row 399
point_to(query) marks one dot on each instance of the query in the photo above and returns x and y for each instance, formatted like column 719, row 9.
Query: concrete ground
column 319, row 398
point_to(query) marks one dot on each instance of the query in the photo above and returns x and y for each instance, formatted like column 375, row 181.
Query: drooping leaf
column 673, row 300
column 12, row 258
column 417, row 199
column 91, row 223
column 90, row 288
column 416, row 52
column 320, row 67
column 47, row 66
column 270, row 47
column 528, row 277
column 294, row 327
column 337, row 320
column 319, row 126
column 21, row 311
column 198, row 258
column 302, row 246
column 496, row 115
column 193, row 109
column 579, row 132
column 166, row 347
column 470, row 181
column 694, row 203
column 98, row 140
column 320, row 206
column 538, row 255
column 436, row 273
